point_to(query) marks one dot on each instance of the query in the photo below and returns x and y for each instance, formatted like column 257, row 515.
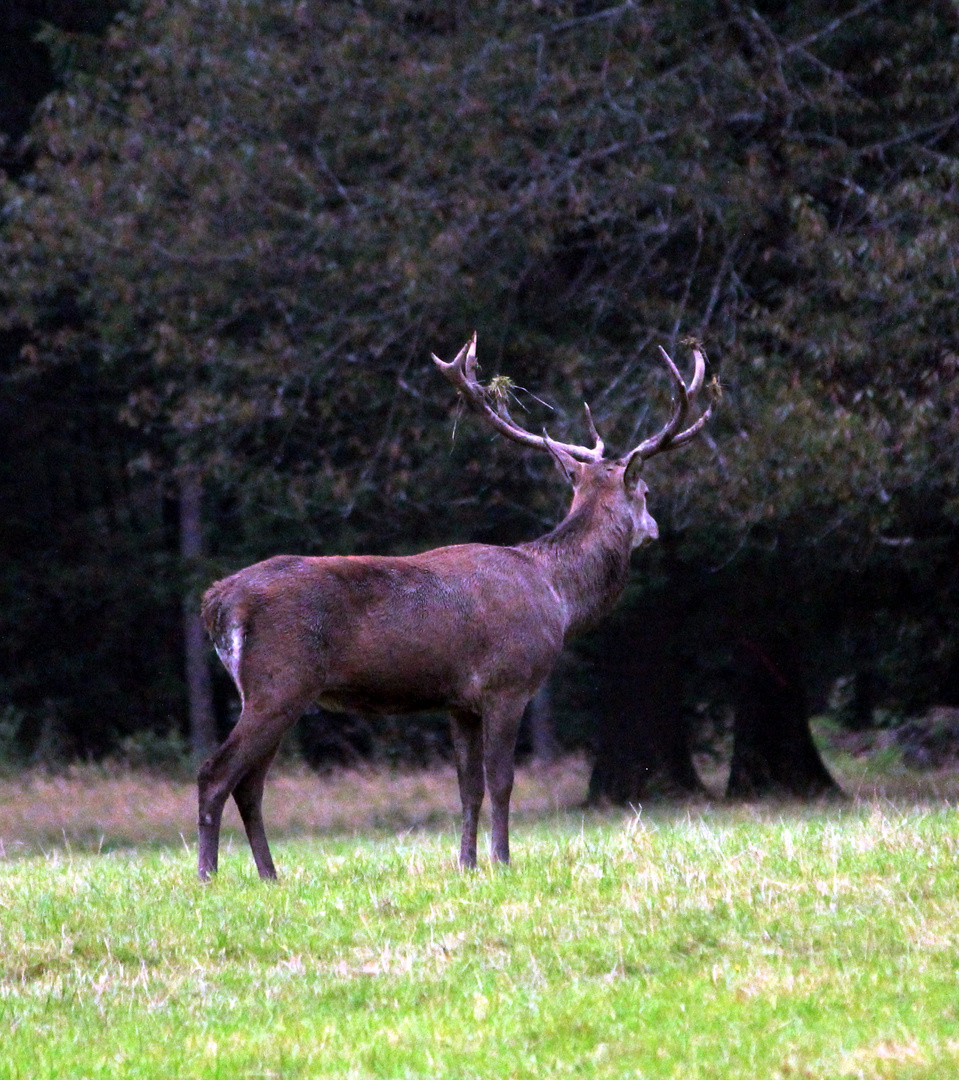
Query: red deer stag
column 472, row 628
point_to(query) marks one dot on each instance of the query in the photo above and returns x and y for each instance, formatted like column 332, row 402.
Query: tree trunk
column 773, row 750
column 538, row 721
column 643, row 744
column 203, row 734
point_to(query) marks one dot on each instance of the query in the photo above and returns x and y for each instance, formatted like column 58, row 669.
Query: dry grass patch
column 89, row 808
column 891, row 1059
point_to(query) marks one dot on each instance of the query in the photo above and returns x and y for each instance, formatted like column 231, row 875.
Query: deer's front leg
column 468, row 748
column 499, row 737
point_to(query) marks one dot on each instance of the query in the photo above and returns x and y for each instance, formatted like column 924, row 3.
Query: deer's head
column 615, row 483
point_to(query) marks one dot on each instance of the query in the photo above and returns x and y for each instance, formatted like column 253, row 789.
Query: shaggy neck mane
column 587, row 558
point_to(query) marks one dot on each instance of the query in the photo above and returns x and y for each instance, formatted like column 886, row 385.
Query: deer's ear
column 633, row 469
column 567, row 465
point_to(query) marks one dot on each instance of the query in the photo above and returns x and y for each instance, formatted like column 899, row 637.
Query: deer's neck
column 587, row 559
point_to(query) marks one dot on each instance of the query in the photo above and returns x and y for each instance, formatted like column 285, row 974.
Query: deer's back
column 392, row 634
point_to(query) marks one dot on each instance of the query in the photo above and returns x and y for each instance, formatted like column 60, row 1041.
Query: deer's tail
column 225, row 622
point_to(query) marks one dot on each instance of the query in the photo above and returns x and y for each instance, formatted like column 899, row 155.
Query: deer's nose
column 650, row 529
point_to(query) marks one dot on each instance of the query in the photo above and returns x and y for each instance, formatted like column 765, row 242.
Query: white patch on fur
column 230, row 652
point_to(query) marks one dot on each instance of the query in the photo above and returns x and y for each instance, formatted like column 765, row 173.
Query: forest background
column 233, row 232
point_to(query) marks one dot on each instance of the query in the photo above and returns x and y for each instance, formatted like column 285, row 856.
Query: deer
column 473, row 629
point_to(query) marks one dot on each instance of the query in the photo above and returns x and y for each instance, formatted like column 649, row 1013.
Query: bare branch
column 859, row 9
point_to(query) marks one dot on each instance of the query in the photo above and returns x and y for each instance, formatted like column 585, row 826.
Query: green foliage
column 147, row 751
column 730, row 944
column 264, row 219
column 249, row 223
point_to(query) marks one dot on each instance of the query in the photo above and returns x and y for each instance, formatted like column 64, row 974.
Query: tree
column 644, row 741
column 253, row 223
column 772, row 751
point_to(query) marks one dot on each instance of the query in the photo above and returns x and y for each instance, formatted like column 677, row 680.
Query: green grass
column 722, row 944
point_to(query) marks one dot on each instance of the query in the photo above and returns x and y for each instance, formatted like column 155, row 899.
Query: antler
column 668, row 438
column 491, row 405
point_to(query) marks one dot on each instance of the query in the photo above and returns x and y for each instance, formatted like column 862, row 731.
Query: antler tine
column 691, row 432
column 461, row 372
column 668, row 438
column 599, row 446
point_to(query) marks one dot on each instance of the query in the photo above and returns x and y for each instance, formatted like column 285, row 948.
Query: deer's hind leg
column 239, row 768
column 248, row 796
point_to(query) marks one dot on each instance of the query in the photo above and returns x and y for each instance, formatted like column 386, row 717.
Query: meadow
column 707, row 941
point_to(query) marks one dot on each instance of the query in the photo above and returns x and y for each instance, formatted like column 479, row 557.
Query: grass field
column 716, row 942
